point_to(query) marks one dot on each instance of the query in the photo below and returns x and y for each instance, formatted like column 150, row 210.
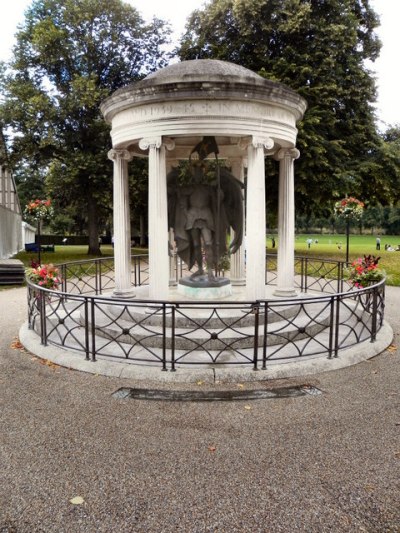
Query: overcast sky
column 387, row 67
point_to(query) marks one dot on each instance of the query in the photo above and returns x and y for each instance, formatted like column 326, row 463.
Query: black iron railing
column 328, row 316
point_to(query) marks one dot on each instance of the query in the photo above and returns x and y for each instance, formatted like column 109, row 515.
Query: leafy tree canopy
column 319, row 48
column 69, row 56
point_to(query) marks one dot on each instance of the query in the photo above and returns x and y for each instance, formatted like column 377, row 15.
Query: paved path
column 327, row 463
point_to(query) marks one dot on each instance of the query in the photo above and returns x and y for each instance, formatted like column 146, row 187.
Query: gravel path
column 327, row 463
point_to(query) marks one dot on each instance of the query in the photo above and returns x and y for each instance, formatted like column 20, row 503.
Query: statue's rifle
column 218, row 222
column 205, row 147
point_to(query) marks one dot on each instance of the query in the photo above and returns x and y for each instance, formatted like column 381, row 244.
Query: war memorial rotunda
column 163, row 117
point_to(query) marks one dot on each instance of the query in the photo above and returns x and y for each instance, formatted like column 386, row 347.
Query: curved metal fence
column 326, row 318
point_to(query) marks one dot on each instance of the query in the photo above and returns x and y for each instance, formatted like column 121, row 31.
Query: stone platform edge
column 75, row 360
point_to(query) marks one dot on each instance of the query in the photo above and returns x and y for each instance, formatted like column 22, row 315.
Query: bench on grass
column 34, row 247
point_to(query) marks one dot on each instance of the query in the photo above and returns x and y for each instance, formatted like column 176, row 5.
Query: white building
column 11, row 239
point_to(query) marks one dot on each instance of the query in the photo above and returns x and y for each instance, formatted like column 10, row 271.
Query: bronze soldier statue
column 203, row 209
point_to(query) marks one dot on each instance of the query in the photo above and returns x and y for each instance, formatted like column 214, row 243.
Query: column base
column 285, row 293
column 253, row 294
column 238, row 282
column 124, row 293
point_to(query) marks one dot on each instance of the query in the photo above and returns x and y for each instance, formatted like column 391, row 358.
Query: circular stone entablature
column 188, row 100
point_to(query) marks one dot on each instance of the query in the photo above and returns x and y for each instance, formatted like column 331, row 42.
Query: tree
column 389, row 161
column 380, row 173
column 68, row 57
column 318, row 48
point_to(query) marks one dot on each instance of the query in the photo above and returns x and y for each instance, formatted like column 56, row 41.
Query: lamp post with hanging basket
column 39, row 210
column 348, row 209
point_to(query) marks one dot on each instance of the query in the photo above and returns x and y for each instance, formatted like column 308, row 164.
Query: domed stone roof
column 205, row 79
column 203, row 70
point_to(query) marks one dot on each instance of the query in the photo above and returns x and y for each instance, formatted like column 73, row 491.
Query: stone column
column 173, row 265
column 286, row 228
column 122, row 225
column 256, row 219
column 158, row 217
column 237, row 274
column 2, row 186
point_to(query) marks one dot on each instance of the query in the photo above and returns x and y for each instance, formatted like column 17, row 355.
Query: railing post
column 306, row 274
column 339, row 276
column 100, row 274
column 173, row 339
column 164, row 339
column 92, row 328
column 64, row 277
column 256, row 311
column 301, row 274
column 96, row 276
column 337, row 319
column 87, row 349
column 331, row 325
column 374, row 313
column 264, row 358
column 29, row 298
column 43, row 325
column 134, row 271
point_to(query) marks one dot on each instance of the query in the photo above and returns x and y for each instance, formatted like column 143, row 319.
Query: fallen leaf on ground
column 78, row 500
column 369, row 487
column 50, row 364
column 391, row 348
column 212, row 448
column 16, row 345
column 199, row 382
column 240, row 386
column 247, row 407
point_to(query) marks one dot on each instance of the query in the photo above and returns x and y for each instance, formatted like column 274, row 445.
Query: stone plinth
column 202, row 288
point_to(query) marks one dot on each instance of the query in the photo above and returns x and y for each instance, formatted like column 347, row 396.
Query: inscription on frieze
column 203, row 109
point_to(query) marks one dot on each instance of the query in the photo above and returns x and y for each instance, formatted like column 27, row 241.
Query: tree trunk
column 93, row 230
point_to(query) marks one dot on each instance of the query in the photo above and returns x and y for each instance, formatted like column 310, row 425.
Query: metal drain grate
column 214, row 396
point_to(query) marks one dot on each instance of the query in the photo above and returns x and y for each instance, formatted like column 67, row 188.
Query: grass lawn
column 327, row 247
column 64, row 254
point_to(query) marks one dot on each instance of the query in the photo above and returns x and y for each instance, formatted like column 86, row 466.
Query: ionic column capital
column 256, row 142
column 292, row 153
column 153, row 142
column 168, row 143
column 114, row 155
column 262, row 142
column 156, row 142
column 241, row 142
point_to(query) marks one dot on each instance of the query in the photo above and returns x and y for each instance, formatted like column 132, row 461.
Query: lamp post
column 347, row 238
column 349, row 208
column 38, row 221
column 39, row 209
